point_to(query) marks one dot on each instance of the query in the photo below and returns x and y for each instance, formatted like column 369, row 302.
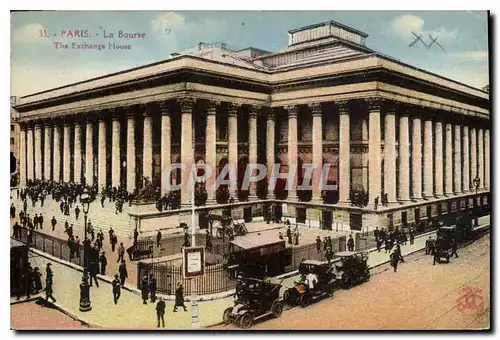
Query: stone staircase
column 101, row 218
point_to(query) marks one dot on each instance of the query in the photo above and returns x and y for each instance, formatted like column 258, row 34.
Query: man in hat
column 160, row 311
column 158, row 238
column 152, row 287
column 48, row 284
column 122, row 269
column 145, row 289
column 53, row 221
column 179, row 297
column 104, row 262
column 121, row 252
column 350, row 243
column 116, row 289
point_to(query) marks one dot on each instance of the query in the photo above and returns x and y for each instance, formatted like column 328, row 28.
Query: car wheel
column 367, row 274
column 286, row 297
column 304, row 301
column 246, row 320
column 227, row 317
column 277, row 309
column 348, row 283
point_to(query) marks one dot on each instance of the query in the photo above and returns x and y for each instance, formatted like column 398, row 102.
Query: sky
column 37, row 65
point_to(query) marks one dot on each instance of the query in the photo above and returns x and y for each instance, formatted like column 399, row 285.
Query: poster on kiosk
column 193, row 262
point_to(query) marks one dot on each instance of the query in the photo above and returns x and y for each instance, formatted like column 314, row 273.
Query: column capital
column 392, row 106
column 344, row 106
column 316, row 109
column 186, row 104
column 374, row 103
column 38, row 125
column 131, row 115
column 232, row 109
column 270, row 115
column 292, row 110
column 164, row 107
column 252, row 114
column 211, row 107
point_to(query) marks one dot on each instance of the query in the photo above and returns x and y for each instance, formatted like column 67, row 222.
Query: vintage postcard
column 263, row 170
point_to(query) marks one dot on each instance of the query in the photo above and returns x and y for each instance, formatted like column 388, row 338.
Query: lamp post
column 84, row 286
column 476, row 182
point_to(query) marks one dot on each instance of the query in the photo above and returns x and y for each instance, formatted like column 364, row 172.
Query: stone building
column 14, row 137
column 398, row 132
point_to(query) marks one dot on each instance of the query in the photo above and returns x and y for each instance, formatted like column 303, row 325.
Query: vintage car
column 326, row 276
column 352, row 268
column 254, row 299
column 225, row 225
column 256, row 255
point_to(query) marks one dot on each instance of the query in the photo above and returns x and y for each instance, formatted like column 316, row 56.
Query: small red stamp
column 471, row 299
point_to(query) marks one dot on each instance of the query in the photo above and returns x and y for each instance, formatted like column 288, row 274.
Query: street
column 418, row 296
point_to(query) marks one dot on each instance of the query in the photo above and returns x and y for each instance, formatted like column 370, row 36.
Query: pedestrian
column 376, row 233
column 122, row 269
column 61, row 205
column 104, row 262
column 429, row 246
column 116, row 289
column 40, row 221
column 121, row 252
column 152, row 287
column 400, row 254
column 37, row 280
column 110, row 232
column 179, row 297
column 296, row 236
column 145, row 289
column 158, row 238
column 77, row 212
column 160, row 312
column 289, row 235
column 350, row 243
column 35, row 221
column 379, row 243
column 136, row 236
column 114, row 241
column 412, row 236
column 53, row 221
column 454, row 247
column 12, row 210
column 103, row 198
column 394, row 260
column 93, row 267
column 48, row 285
column 28, row 277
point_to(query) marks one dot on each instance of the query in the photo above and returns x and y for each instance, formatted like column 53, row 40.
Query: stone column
column 487, row 159
column 232, row 158
column 101, row 156
column 67, row 154
column 270, row 140
column 344, row 153
column 29, row 152
column 57, row 153
column 46, row 152
column 77, row 170
column 416, row 155
column 448, row 174
column 187, row 155
column 473, row 157
column 480, row 157
column 22, row 156
column 458, row 162
column 131, row 168
column 147, row 153
column 252, row 148
column 374, row 151
column 211, row 150
column 115, row 153
column 390, row 156
column 317, row 150
column 404, row 159
column 438, row 160
column 38, row 151
column 466, row 162
column 166, row 158
column 292, row 112
column 428, row 155
column 89, row 155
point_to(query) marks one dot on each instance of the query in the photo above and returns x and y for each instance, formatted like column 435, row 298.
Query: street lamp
column 476, row 182
column 84, row 286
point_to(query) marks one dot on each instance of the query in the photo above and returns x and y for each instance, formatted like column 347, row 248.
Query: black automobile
column 254, row 299
column 352, row 268
column 323, row 277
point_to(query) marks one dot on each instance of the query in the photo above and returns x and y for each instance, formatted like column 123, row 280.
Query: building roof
column 255, row 240
column 332, row 23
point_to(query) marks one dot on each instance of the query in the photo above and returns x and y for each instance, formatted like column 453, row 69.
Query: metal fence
column 51, row 245
column 167, row 276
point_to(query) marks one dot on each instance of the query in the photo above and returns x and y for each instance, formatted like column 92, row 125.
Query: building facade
column 14, row 138
column 404, row 136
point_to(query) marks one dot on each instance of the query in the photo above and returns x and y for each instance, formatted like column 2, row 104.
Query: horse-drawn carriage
column 256, row 255
column 323, row 277
column 225, row 225
column 254, row 299
column 352, row 268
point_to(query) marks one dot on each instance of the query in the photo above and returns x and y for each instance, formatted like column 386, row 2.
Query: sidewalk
column 130, row 313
